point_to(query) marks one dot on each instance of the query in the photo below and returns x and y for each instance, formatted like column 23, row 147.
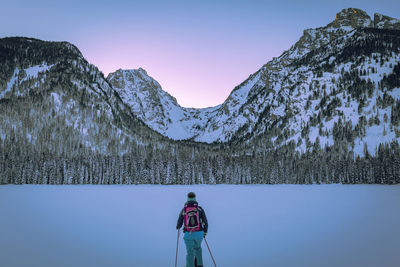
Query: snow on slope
column 10, row 83
column 301, row 225
column 154, row 106
column 268, row 95
column 385, row 22
column 162, row 113
column 27, row 73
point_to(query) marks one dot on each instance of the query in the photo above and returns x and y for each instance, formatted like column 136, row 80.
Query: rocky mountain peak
column 353, row 17
column 132, row 75
column 139, row 90
column 134, row 78
column 141, row 71
column 345, row 21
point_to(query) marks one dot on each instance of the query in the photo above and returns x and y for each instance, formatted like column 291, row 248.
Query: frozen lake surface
column 267, row 225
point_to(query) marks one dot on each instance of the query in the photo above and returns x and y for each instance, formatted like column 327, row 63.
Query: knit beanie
column 191, row 196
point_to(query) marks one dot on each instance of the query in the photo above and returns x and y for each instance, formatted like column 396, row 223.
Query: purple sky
column 197, row 50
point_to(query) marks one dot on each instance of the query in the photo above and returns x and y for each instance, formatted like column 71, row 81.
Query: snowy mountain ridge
column 297, row 97
column 157, row 108
column 162, row 113
column 68, row 99
column 326, row 111
column 288, row 88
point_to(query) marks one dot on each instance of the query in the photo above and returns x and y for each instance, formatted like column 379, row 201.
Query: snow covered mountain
column 52, row 97
column 161, row 112
column 158, row 109
column 326, row 111
column 334, row 75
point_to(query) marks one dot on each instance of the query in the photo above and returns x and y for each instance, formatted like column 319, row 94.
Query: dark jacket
column 202, row 215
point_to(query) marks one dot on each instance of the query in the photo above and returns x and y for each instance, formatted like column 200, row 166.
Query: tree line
column 147, row 165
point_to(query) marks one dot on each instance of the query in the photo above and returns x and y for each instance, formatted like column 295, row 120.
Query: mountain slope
column 313, row 80
column 159, row 110
column 51, row 95
column 325, row 111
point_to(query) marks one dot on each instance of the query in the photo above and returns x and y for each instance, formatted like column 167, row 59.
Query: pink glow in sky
column 198, row 75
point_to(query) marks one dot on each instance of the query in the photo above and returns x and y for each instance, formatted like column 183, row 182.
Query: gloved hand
column 204, row 234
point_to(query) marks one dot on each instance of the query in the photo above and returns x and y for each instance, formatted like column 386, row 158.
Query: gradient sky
column 197, row 50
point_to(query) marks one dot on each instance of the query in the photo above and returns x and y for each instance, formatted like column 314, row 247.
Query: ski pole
column 177, row 243
column 210, row 252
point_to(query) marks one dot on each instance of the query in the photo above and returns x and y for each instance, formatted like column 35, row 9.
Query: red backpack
column 191, row 218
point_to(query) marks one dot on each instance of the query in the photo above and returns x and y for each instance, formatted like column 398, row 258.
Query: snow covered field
column 280, row 225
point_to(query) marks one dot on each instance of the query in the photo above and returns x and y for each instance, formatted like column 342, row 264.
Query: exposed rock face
column 145, row 97
column 351, row 17
column 385, row 22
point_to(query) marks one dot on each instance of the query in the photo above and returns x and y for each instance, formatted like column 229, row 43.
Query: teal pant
column 193, row 247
